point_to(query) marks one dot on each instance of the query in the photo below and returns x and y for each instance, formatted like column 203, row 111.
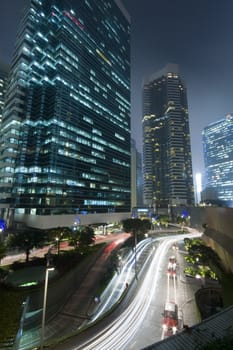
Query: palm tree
column 26, row 240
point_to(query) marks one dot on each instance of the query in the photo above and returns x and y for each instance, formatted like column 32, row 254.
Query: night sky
column 195, row 34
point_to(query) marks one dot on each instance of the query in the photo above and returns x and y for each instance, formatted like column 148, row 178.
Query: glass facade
column 4, row 70
column 167, row 165
column 65, row 141
column 218, row 158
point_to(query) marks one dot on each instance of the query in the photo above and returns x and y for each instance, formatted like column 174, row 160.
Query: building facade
column 136, row 176
column 218, row 159
column 65, row 137
column 167, row 165
column 4, row 70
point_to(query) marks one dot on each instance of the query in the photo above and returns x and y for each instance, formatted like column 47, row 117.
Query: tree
column 2, row 250
column 137, row 227
column 87, row 236
column 164, row 220
column 82, row 237
column 200, row 254
column 145, row 226
column 74, row 238
column 56, row 234
column 131, row 225
column 26, row 240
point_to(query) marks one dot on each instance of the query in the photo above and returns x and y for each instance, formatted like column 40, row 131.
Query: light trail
column 168, row 287
column 118, row 283
column 120, row 333
column 174, row 286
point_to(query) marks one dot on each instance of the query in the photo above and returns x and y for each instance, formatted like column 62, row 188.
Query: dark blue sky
column 196, row 34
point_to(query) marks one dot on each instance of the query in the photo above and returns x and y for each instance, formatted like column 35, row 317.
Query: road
column 139, row 324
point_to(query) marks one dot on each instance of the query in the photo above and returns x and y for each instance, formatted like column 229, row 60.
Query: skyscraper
column 218, row 159
column 4, row 70
column 65, row 138
column 167, row 166
column 136, row 176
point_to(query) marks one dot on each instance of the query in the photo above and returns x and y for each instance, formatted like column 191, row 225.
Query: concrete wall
column 50, row 221
column 218, row 231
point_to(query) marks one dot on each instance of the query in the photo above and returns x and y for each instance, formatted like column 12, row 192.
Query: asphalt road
column 139, row 314
column 137, row 322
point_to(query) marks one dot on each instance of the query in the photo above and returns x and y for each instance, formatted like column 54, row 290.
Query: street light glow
column 48, row 269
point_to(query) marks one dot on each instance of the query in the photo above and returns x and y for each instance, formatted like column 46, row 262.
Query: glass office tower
column 218, row 158
column 4, row 70
column 65, row 138
column 167, row 165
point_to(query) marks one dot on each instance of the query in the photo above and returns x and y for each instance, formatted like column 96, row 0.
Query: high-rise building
column 136, row 176
column 167, row 165
column 198, row 185
column 4, row 70
column 218, row 159
column 65, row 137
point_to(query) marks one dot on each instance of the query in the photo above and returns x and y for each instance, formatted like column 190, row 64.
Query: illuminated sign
column 2, row 225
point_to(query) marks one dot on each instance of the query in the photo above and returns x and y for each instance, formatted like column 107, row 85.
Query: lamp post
column 58, row 244
column 48, row 269
column 135, row 254
column 202, row 280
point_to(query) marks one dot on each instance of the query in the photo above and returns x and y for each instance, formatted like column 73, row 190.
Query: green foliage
column 26, row 240
column 70, row 258
column 87, row 236
column 190, row 259
column 137, row 227
column 73, row 238
column 57, row 234
column 203, row 271
column 206, row 262
column 82, row 237
column 164, row 220
column 10, row 306
column 11, row 299
column 4, row 270
column 131, row 225
column 2, row 250
column 191, row 271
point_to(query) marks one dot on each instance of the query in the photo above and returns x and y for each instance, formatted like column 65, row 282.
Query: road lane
column 139, row 325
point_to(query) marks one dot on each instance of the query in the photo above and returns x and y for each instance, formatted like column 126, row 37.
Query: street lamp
column 199, row 277
column 135, row 254
column 48, row 269
column 58, row 244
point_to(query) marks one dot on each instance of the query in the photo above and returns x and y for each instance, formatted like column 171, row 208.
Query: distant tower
column 65, row 136
column 218, row 159
column 167, row 165
column 198, row 188
column 133, row 174
column 136, row 176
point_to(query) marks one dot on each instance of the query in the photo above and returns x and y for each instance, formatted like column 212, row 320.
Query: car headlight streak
column 123, row 329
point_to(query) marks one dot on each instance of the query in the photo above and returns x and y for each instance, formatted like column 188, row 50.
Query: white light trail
column 123, row 329
column 118, row 282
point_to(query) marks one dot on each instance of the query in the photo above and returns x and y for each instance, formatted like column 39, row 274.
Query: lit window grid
column 83, row 95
